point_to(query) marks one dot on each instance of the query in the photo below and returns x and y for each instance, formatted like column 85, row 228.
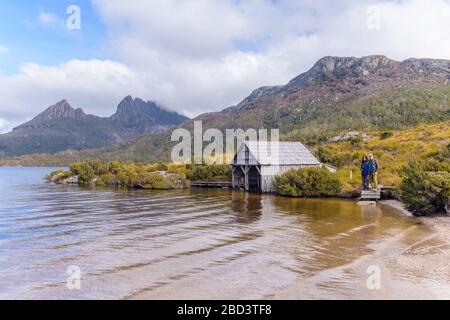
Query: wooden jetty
column 371, row 195
column 223, row 185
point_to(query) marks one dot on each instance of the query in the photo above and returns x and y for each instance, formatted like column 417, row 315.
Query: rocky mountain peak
column 132, row 110
column 436, row 67
column 146, row 117
column 369, row 63
column 338, row 68
column 61, row 109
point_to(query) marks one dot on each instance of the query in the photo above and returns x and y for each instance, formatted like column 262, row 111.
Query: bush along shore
column 425, row 187
column 140, row 176
column 308, row 182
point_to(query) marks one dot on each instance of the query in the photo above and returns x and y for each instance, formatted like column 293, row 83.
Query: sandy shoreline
column 397, row 205
column 429, row 256
column 414, row 264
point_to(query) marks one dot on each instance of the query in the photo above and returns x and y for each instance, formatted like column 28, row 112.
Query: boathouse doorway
column 254, row 179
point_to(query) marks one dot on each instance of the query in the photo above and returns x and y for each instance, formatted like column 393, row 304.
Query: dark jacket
column 365, row 168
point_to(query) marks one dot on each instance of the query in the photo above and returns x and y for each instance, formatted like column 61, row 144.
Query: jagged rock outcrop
column 58, row 111
column 352, row 69
column 135, row 117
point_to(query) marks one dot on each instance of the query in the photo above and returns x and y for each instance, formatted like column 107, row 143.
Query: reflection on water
column 187, row 243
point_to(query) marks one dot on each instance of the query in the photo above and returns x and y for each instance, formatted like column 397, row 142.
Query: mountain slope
column 61, row 127
column 337, row 94
column 347, row 93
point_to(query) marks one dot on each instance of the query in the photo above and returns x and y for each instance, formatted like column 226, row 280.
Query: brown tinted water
column 203, row 244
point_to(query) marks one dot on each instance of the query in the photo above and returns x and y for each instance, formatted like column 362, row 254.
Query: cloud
column 6, row 125
column 50, row 19
column 3, row 49
column 97, row 86
column 204, row 55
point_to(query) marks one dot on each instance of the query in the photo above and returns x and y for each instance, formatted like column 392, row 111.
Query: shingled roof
column 289, row 153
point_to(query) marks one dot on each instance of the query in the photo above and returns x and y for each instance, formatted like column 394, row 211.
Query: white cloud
column 6, row 125
column 206, row 55
column 3, row 49
column 50, row 19
column 95, row 85
column 198, row 56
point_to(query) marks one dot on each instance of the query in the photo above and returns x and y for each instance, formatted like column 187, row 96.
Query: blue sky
column 30, row 40
column 193, row 56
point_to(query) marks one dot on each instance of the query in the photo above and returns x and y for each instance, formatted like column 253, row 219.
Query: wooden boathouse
column 256, row 163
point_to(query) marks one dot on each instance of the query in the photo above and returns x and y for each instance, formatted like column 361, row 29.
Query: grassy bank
column 393, row 149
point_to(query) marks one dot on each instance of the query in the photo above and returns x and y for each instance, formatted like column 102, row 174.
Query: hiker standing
column 365, row 172
column 374, row 166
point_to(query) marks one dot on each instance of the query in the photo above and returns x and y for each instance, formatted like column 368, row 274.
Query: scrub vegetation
column 134, row 175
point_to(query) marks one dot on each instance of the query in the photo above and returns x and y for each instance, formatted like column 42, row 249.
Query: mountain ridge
column 61, row 127
column 331, row 68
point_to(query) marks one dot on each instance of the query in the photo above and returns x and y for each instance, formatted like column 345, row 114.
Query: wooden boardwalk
column 371, row 194
column 223, row 185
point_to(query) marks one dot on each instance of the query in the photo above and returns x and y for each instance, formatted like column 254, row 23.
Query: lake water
column 204, row 244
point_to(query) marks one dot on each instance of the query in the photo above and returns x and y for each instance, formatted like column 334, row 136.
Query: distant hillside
column 61, row 127
column 337, row 94
column 393, row 149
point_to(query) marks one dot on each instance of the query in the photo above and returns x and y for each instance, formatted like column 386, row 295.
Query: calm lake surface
column 206, row 244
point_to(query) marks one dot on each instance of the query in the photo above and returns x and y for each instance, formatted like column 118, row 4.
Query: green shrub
column 324, row 155
column 157, row 181
column 424, row 190
column 215, row 172
column 57, row 175
column 107, row 179
column 115, row 167
column 95, row 165
column 132, row 175
column 386, row 134
column 177, row 181
column 161, row 166
column 308, row 182
column 75, row 168
column 85, row 174
column 356, row 141
column 443, row 154
column 176, row 168
column 98, row 167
